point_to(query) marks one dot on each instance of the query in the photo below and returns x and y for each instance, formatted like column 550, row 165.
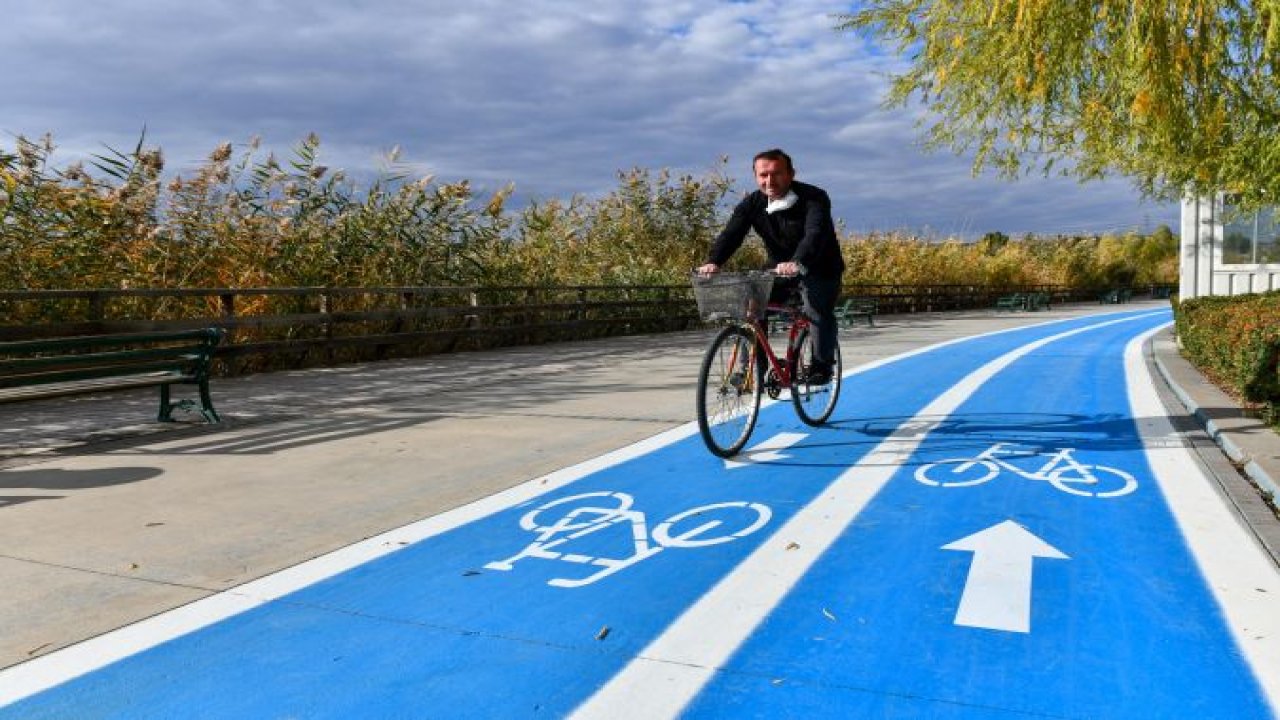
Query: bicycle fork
column 741, row 361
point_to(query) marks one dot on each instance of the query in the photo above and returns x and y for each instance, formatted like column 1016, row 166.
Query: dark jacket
column 804, row 233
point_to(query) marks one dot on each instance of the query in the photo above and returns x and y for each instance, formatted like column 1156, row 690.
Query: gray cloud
column 553, row 97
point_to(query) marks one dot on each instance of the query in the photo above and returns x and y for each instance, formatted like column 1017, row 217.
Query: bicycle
column 740, row 363
column 559, row 523
column 1061, row 470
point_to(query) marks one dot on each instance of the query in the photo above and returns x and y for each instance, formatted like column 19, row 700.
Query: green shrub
column 1235, row 340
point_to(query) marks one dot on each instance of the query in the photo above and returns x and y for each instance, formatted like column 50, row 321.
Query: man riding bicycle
column 794, row 221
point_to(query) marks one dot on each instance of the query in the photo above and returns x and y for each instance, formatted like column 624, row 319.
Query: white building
column 1226, row 252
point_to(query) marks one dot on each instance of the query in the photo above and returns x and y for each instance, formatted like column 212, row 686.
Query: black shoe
column 819, row 374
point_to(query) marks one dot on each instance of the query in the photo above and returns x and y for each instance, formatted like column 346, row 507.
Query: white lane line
column 661, row 680
column 1244, row 580
column 21, row 681
column 41, row 673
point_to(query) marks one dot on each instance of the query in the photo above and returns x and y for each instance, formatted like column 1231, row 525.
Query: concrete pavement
column 110, row 518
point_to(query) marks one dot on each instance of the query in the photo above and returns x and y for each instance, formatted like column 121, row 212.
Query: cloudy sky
column 553, row 96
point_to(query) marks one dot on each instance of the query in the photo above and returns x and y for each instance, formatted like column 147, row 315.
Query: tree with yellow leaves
column 1181, row 96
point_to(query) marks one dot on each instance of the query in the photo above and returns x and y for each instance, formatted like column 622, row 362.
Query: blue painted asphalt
column 1117, row 629
column 481, row 622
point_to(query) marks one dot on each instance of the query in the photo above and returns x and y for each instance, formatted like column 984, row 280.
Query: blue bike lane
column 1120, row 621
column 521, row 613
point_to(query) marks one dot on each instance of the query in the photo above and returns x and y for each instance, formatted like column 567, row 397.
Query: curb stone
column 1265, row 479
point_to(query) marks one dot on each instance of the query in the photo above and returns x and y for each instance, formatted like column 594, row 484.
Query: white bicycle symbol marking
column 1061, row 469
column 585, row 519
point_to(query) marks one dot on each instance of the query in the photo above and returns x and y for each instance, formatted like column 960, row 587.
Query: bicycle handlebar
column 768, row 271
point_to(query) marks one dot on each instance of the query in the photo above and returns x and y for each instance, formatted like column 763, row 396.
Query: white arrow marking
column 766, row 451
column 997, row 593
column 667, row 674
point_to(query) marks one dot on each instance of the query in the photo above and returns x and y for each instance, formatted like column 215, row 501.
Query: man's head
column 774, row 173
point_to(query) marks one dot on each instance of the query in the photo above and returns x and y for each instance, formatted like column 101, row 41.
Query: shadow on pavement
column 66, row 480
column 969, row 434
column 59, row 479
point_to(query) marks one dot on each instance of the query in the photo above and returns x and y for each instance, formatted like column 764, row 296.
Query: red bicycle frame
column 798, row 322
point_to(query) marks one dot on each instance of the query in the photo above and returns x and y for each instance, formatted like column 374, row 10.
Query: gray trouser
column 820, row 296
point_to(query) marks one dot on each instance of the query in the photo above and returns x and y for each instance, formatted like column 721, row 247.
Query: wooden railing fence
column 272, row 328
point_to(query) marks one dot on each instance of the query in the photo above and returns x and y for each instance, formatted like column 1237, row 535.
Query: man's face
column 773, row 177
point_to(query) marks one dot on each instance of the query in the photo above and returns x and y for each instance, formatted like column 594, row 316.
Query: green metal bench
column 1017, row 301
column 1115, row 296
column 853, row 308
column 31, row 369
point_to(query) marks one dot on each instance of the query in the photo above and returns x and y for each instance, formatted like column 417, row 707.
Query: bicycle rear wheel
column 814, row 403
column 729, row 387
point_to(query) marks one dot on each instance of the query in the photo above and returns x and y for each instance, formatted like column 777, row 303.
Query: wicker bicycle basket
column 733, row 296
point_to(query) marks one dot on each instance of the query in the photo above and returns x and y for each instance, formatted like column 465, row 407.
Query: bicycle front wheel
column 1094, row 481
column 814, row 403
column 729, row 387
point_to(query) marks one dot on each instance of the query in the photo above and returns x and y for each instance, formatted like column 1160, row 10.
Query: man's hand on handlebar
column 784, row 269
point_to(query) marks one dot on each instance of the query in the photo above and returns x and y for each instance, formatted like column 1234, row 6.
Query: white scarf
column 784, row 203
